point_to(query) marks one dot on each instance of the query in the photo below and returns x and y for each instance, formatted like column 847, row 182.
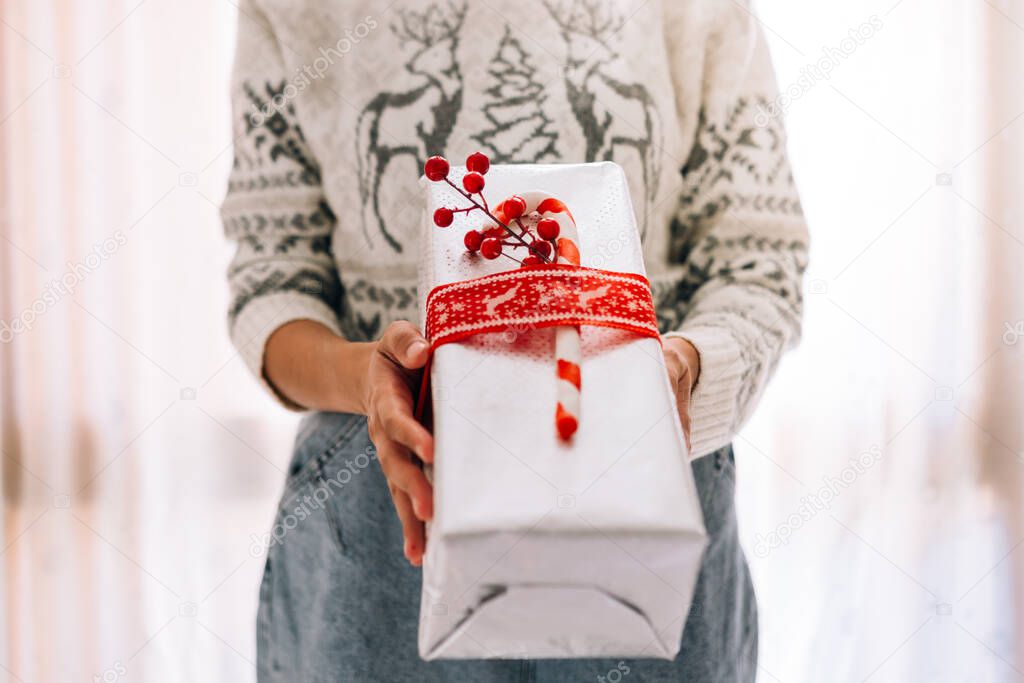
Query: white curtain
column 141, row 465
column 139, row 460
column 907, row 563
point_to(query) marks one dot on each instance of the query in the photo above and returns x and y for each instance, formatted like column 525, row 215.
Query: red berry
column 540, row 248
column 548, row 228
column 515, row 206
column 532, row 261
column 478, row 162
column 473, row 182
column 436, row 169
column 443, row 217
column 473, row 240
column 495, row 231
column 490, row 248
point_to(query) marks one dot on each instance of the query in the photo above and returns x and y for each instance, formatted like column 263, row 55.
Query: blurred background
column 880, row 482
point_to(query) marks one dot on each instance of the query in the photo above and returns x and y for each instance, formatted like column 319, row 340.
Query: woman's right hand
column 393, row 377
column 309, row 365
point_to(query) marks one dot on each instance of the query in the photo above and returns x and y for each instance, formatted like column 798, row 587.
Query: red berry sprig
column 548, row 229
column 436, row 169
column 515, row 207
column 473, row 240
column 491, row 241
column 478, row 163
column 443, row 217
column 473, row 182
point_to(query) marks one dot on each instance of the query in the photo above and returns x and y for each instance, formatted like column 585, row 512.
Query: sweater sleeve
column 274, row 212
column 738, row 232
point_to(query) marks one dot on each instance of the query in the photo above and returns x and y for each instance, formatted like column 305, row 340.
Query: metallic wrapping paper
column 541, row 549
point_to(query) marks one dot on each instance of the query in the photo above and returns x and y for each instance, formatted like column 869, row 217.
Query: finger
column 401, row 471
column 683, row 404
column 678, row 371
column 404, row 344
column 413, row 533
column 674, row 366
column 399, row 425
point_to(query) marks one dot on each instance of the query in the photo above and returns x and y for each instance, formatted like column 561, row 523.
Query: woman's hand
column 392, row 378
column 309, row 365
column 683, row 364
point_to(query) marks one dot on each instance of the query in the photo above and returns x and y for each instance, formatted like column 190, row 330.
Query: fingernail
column 417, row 346
column 420, row 509
column 414, row 560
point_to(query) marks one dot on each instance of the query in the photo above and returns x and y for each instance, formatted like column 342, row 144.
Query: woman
column 336, row 107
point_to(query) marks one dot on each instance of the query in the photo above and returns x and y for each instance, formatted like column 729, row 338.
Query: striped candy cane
column 568, row 354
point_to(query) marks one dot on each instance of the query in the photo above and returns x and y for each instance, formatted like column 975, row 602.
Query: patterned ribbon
column 547, row 295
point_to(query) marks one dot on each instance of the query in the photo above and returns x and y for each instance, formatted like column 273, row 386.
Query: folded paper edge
column 664, row 650
column 700, row 534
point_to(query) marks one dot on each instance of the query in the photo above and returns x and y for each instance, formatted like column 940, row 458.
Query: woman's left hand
column 683, row 364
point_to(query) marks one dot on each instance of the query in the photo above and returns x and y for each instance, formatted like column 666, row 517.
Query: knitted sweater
column 337, row 105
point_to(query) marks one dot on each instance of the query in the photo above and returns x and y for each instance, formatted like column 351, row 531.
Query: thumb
column 674, row 366
column 404, row 344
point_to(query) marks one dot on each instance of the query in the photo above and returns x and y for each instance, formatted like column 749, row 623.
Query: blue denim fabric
column 339, row 602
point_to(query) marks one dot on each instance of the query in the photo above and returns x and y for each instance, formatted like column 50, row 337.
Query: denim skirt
column 339, row 602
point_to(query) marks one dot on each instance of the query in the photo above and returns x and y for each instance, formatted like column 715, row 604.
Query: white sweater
column 337, row 104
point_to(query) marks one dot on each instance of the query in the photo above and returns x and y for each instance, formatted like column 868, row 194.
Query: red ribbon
column 548, row 295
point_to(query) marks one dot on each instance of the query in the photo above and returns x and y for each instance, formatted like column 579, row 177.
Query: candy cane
column 568, row 355
column 556, row 225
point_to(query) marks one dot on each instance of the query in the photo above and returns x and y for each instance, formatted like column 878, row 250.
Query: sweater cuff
column 713, row 406
column 262, row 316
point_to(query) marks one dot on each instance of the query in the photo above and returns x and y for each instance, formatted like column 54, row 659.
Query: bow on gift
column 548, row 289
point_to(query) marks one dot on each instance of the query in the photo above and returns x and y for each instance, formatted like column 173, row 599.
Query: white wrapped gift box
column 541, row 548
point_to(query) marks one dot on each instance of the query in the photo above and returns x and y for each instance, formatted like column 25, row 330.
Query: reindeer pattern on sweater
column 337, row 106
column 418, row 121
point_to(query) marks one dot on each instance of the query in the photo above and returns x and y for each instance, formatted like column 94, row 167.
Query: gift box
column 543, row 546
